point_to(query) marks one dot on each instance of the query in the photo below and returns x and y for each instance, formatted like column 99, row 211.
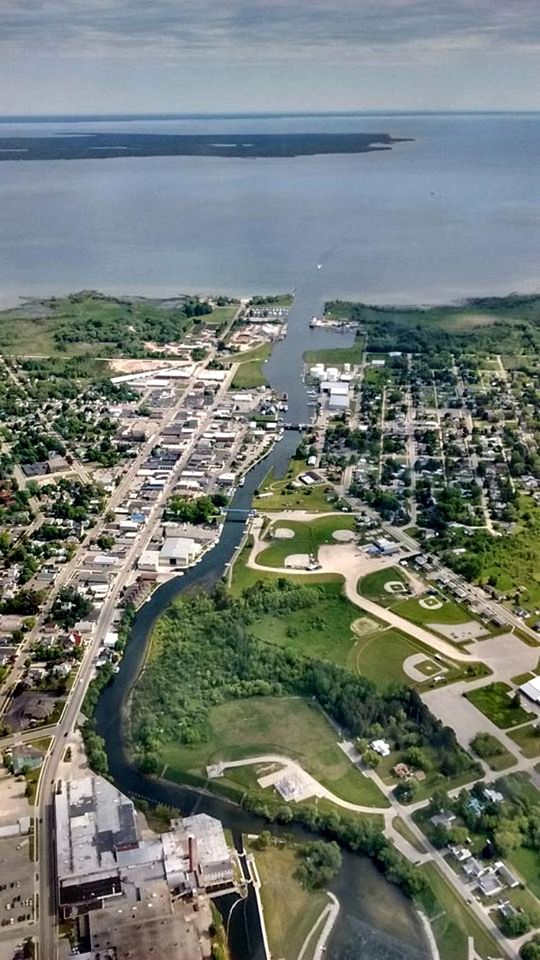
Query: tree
column 263, row 841
column 516, row 925
column 531, row 949
column 405, row 791
column 320, row 862
column 507, row 837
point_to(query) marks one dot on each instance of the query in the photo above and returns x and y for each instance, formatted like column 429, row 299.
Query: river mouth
column 376, row 921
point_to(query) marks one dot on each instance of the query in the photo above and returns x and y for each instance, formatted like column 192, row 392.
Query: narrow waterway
column 376, row 921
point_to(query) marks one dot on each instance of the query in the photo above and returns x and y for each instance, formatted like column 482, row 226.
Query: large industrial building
column 124, row 890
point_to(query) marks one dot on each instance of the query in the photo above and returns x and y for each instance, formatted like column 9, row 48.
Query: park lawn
column 308, row 537
column 372, row 586
column 243, row 576
column 451, row 921
column 450, row 612
column 290, row 911
column 337, row 356
column 526, row 862
column 380, row 656
column 527, row 739
column 250, row 373
column 289, row 726
column 322, row 631
column 221, row 315
column 319, row 498
column 493, row 701
column 403, row 828
column 433, row 778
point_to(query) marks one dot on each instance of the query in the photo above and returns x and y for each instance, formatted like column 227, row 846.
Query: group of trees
column 198, row 510
column 359, row 834
column 68, row 607
column 203, row 654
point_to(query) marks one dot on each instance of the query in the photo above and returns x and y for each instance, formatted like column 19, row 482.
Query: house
column 489, row 883
column 443, row 819
column 402, row 771
column 381, row 747
column 493, row 796
column 459, row 852
column 25, row 757
column 506, row 875
column 506, row 909
column 472, row 868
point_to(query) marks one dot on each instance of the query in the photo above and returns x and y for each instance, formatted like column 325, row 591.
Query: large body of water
column 455, row 212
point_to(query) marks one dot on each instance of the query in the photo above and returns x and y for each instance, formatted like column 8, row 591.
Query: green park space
column 307, row 539
column 495, row 702
column 250, row 373
column 288, row 726
column 243, row 576
column 337, row 356
column 490, row 749
column 91, row 323
column 322, row 632
column 431, row 766
column 528, row 739
column 526, row 862
column 450, row 612
column 278, row 493
column 290, row 910
column 380, row 655
column 373, row 586
column 451, row 920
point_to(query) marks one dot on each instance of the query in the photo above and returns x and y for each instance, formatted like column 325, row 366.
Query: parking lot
column 16, row 885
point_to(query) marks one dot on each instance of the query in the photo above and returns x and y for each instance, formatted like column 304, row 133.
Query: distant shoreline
column 246, row 146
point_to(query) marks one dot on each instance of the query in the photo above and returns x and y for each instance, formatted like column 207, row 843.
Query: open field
column 308, row 537
column 380, row 656
column 244, row 576
column 290, row 910
column 527, row 739
column 493, row 701
column 338, row 355
column 527, row 863
column 250, row 373
column 89, row 323
column 323, row 632
column 452, row 922
column 283, row 725
column 372, row 586
column 280, row 494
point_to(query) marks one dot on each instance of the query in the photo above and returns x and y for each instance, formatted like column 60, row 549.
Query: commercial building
column 531, row 689
column 102, row 859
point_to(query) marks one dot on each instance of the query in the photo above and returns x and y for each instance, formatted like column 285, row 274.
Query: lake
column 455, row 212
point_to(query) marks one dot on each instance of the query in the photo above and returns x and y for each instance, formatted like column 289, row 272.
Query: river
column 376, row 921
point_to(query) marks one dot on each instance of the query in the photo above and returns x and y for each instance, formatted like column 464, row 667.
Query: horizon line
column 251, row 114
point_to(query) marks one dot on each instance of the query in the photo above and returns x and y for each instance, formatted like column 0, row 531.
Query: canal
column 376, row 922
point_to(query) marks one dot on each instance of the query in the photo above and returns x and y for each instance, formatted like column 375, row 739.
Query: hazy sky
column 229, row 55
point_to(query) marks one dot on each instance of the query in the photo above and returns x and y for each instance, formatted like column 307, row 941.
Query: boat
column 241, row 482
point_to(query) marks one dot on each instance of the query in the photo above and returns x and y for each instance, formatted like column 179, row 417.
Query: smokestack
column 192, row 853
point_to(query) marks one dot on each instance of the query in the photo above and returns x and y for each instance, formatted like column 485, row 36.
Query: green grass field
column 243, row 576
column 380, row 656
column 250, row 373
column 35, row 335
column 452, row 922
column 527, row 739
column 323, row 632
column 280, row 725
column 337, row 356
column 450, row 612
column 308, row 537
column 493, row 701
column 290, row 911
column 279, row 494
column 373, row 586
column 527, row 863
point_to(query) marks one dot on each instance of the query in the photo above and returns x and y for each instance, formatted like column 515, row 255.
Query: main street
column 48, row 929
